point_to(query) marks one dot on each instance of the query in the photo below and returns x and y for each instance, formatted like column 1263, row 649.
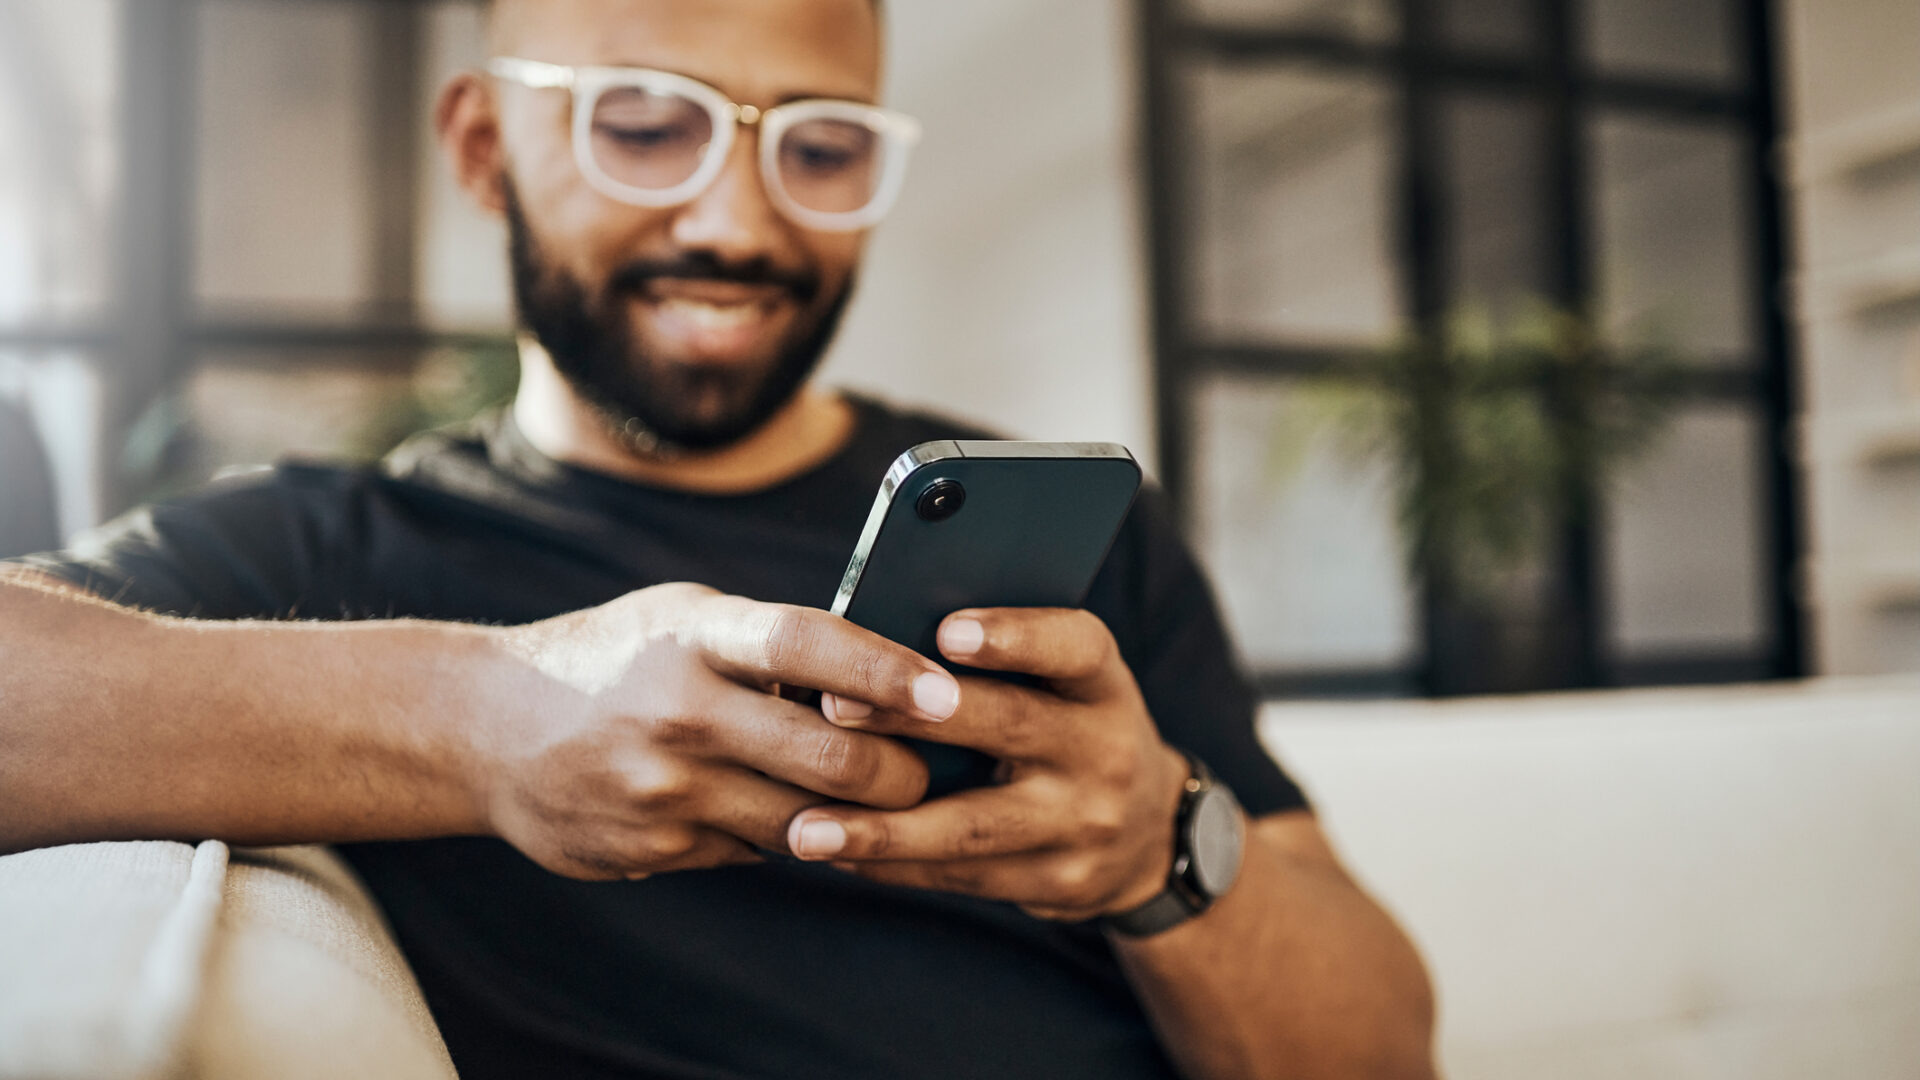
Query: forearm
column 116, row 724
column 1294, row 973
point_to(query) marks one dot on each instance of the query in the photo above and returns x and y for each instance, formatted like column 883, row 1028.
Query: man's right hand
column 647, row 737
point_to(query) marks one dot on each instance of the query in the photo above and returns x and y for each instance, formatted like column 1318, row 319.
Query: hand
column 643, row 737
column 1083, row 823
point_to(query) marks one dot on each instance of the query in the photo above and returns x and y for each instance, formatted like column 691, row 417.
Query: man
column 607, row 847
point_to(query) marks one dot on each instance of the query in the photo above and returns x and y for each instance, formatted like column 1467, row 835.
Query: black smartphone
column 961, row 524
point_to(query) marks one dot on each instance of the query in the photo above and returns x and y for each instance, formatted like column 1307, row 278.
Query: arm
column 622, row 740
column 1294, row 973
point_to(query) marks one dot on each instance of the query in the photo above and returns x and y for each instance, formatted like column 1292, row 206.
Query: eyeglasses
column 653, row 138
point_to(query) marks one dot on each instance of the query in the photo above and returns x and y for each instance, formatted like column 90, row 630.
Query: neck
column 560, row 424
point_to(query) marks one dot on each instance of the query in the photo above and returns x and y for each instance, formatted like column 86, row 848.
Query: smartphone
column 960, row 524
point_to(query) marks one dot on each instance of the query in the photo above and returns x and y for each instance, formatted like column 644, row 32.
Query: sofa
column 1716, row 883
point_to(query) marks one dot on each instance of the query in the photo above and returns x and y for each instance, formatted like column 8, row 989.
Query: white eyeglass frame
column 586, row 84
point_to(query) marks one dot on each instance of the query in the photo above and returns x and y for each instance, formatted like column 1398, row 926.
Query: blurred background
column 1486, row 345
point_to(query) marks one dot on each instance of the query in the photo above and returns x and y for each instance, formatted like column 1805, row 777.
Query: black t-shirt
column 779, row 970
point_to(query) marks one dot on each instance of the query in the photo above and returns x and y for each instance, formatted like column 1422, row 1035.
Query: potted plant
column 1503, row 437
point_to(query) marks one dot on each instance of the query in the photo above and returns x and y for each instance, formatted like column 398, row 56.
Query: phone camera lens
column 941, row 500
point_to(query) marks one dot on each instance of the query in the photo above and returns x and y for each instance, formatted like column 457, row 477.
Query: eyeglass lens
column 656, row 141
column 649, row 141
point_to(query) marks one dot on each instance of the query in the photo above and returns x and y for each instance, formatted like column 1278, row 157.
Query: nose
column 733, row 218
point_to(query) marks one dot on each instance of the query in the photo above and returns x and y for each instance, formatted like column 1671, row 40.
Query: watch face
column 1216, row 841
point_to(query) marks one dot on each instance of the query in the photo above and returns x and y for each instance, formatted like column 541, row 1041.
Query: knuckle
column 663, row 845
column 584, row 863
column 979, row 838
column 791, row 637
column 874, row 838
column 1021, row 727
column 1103, row 821
column 871, row 670
column 659, row 784
column 1073, row 881
column 1116, row 763
column 680, row 731
column 845, row 763
column 958, row 877
column 1090, row 629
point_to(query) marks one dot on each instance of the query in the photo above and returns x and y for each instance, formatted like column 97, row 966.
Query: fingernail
column 962, row 637
column 936, row 694
column 819, row 839
column 839, row 708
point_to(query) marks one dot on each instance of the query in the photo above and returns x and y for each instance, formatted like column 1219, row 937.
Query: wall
column 1007, row 285
column 1854, row 161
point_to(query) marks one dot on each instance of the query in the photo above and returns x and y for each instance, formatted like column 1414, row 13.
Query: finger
column 795, row 744
column 704, row 850
column 973, row 824
column 1046, row 885
column 638, row 854
column 747, row 805
column 805, row 647
column 1072, row 649
column 1000, row 719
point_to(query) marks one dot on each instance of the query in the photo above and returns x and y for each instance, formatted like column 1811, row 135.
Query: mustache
column 634, row 276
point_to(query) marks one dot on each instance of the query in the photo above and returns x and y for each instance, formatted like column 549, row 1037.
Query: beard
column 654, row 405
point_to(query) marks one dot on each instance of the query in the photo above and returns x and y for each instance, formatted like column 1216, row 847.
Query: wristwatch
column 1209, row 835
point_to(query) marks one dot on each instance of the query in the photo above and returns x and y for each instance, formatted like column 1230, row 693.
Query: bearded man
column 532, row 701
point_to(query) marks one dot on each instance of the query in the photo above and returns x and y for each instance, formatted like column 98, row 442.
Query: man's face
column 695, row 321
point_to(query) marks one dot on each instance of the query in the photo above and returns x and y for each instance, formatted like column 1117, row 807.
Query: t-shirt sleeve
column 247, row 547
column 1162, row 611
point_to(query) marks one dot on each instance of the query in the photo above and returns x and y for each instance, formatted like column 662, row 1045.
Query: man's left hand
column 1081, row 822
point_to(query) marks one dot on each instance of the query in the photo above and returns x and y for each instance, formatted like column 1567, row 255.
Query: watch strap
column 1163, row 912
column 1174, row 904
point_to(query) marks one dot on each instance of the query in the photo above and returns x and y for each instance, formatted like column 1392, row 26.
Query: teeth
column 708, row 316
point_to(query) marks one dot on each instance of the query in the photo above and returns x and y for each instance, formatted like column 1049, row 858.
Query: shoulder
column 250, row 544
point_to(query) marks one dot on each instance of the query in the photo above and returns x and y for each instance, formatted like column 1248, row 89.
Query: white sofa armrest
column 153, row 959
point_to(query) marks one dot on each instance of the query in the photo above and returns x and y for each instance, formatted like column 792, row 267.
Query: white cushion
column 158, row 959
column 1703, row 883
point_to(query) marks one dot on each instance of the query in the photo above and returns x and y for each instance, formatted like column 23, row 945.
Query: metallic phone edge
column 929, row 453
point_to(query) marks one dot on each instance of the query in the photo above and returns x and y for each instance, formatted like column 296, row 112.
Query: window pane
column 253, row 410
column 1497, row 202
column 1295, row 182
column 63, row 393
column 285, row 173
column 59, row 165
column 243, row 408
column 1297, row 526
column 462, row 256
column 1691, row 39
column 1368, row 20
column 1685, row 554
column 1505, row 26
column 1674, row 232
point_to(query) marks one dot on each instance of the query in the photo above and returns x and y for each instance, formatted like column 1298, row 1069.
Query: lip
column 715, row 291
column 698, row 328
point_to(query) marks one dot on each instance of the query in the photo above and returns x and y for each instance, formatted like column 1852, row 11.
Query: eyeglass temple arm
column 537, row 74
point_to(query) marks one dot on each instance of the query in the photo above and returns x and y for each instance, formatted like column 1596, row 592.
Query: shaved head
column 689, row 325
column 507, row 21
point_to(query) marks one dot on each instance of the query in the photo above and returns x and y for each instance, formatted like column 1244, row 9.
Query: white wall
column 1854, row 89
column 1007, row 285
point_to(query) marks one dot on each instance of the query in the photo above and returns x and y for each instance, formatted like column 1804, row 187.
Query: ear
column 467, row 120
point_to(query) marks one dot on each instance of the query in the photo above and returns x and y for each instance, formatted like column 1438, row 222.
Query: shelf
column 1854, row 148
column 1893, row 593
column 1862, row 287
column 1892, row 445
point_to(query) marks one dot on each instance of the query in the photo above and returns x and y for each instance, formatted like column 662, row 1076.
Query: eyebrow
column 784, row 99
